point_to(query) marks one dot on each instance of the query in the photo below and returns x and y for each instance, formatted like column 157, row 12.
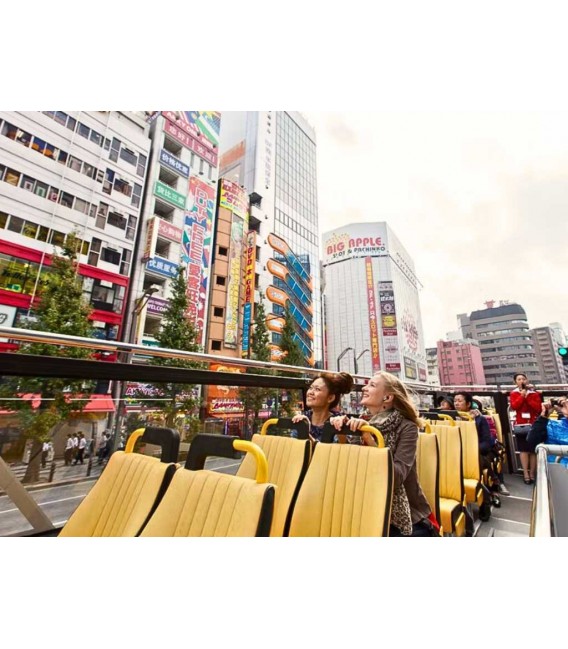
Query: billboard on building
column 357, row 240
column 391, row 356
column 196, row 249
column 196, row 130
column 235, row 199
column 224, row 399
column 373, row 329
column 248, row 310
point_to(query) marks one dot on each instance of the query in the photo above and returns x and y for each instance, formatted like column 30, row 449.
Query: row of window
column 115, row 147
column 296, row 227
column 35, row 231
column 111, row 180
column 121, row 258
column 104, row 214
column 21, row 276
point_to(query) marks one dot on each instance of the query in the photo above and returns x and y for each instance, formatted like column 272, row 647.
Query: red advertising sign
column 169, row 231
column 190, row 142
column 373, row 327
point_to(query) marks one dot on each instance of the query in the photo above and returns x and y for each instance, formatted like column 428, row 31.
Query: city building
column 459, row 363
column 433, row 377
column 552, row 370
column 178, row 219
column 272, row 155
column 81, row 171
column 505, row 341
column 372, row 307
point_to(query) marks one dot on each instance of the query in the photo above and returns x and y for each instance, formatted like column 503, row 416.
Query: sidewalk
column 62, row 474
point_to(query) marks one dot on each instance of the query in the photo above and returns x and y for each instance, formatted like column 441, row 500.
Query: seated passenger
column 322, row 399
column 394, row 414
column 550, row 431
column 446, row 403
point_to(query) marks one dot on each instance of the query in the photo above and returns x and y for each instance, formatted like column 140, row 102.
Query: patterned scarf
column 390, row 430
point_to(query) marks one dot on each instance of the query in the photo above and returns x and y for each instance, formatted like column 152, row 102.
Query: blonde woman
column 393, row 413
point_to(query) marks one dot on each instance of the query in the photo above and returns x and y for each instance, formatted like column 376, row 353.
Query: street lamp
column 347, row 349
column 358, row 357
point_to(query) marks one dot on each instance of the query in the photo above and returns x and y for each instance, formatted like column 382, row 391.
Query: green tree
column 292, row 355
column 61, row 309
column 254, row 398
column 177, row 332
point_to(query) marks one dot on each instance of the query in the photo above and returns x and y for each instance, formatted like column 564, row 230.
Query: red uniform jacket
column 530, row 405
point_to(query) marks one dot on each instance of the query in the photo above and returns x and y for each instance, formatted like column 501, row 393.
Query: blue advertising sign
column 167, row 159
column 246, row 327
column 162, row 266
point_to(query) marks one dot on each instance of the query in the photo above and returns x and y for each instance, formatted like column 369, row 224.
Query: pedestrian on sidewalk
column 69, row 446
column 81, row 445
column 44, row 454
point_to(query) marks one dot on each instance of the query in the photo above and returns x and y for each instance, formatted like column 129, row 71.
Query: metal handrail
column 542, row 514
column 33, row 335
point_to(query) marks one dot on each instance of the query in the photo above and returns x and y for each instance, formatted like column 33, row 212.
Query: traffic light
column 563, row 351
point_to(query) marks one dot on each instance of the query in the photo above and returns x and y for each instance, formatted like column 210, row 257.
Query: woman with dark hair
column 527, row 404
column 394, row 414
column 322, row 399
column 445, row 402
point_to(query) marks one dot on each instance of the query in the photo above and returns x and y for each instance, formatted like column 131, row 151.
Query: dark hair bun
column 344, row 382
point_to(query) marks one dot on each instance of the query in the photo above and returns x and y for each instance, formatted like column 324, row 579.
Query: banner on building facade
column 248, row 311
column 234, row 285
column 373, row 328
column 168, row 160
column 196, row 249
column 389, row 327
column 183, row 137
column 233, row 197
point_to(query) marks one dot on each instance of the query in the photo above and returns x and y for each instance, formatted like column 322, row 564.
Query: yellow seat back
column 470, row 450
column 347, row 491
column 122, row 498
column 207, row 503
column 288, row 461
column 427, row 464
column 451, row 470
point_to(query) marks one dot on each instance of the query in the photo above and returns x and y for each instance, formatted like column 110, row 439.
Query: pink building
column 459, row 363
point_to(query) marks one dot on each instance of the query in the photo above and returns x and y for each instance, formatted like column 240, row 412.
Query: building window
column 223, row 252
column 220, row 280
column 216, row 345
column 111, row 256
column 218, row 311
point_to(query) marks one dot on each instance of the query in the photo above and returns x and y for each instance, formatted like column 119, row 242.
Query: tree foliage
column 177, row 332
column 61, row 308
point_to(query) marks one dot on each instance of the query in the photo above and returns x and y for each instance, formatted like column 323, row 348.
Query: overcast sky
column 478, row 199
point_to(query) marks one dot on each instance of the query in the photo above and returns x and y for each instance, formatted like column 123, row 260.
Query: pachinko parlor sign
column 344, row 246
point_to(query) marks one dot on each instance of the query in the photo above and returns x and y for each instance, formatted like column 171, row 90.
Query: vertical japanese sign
column 196, row 249
column 248, row 314
column 233, row 289
column 373, row 328
column 389, row 327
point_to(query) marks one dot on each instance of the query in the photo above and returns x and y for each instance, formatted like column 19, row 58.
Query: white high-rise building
column 272, row 154
column 372, row 308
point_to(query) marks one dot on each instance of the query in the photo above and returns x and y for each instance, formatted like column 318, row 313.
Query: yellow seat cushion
column 287, row 464
column 207, row 503
column 452, row 491
column 427, row 465
column 347, row 491
column 122, row 498
column 473, row 491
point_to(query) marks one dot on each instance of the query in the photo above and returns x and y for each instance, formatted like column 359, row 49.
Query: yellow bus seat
column 288, row 461
column 452, row 497
column 427, row 464
column 206, row 503
column 347, row 491
column 471, row 470
column 123, row 498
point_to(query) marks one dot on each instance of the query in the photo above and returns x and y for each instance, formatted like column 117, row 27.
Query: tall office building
column 81, row 171
column 550, row 362
column 272, row 155
column 505, row 342
column 459, row 363
column 178, row 219
column 372, row 308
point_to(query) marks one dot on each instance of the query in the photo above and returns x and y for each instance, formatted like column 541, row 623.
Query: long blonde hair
column 402, row 399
